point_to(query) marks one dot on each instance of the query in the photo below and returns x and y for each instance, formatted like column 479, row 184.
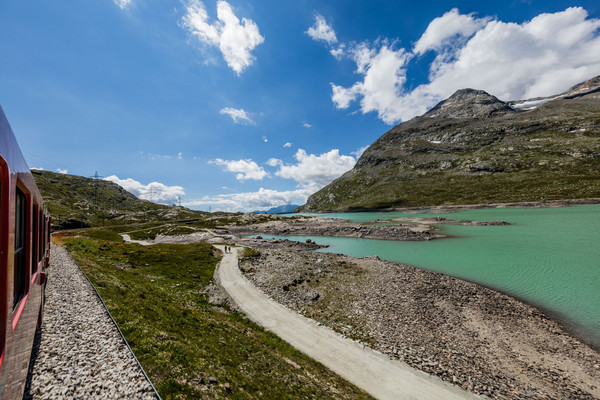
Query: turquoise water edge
column 547, row 257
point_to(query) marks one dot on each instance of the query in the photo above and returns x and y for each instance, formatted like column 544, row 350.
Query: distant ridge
column 473, row 148
column 287, row 208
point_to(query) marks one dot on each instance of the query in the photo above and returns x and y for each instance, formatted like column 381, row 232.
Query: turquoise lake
column 548, row 257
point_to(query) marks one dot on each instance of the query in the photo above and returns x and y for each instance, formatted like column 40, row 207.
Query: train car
column 24, row 252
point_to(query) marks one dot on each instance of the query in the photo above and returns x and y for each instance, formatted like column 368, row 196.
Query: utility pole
column 96, row 177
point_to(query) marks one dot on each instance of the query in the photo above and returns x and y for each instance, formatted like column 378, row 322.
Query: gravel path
column 368, row 369
column 80, row 353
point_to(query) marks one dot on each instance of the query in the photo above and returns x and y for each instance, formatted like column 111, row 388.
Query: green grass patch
column 190, row 348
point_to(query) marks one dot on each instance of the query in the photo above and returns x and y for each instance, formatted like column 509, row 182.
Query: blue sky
column 244, row 105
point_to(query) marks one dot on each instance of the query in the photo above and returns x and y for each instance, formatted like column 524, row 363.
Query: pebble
column 80, row 353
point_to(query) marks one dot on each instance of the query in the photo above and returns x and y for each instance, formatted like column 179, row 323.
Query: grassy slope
column 155, row 293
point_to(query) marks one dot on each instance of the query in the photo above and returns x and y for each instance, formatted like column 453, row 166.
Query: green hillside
column 473, row 148
column 76, row 202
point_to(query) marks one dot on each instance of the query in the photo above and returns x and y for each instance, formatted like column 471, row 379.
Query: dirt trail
column 128, row 239
column 368, row 369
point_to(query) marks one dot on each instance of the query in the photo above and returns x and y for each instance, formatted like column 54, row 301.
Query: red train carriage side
column 24, row 251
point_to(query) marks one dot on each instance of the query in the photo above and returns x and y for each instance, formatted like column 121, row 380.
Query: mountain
column 287, row 208
column 77, row 202
column 473, row 148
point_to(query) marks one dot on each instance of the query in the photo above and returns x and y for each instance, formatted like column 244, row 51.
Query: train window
column 35, row 235
column 41, row 236
column 20, row 267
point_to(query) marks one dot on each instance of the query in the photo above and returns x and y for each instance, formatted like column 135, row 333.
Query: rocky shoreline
column 320, row 226
column 474, row 337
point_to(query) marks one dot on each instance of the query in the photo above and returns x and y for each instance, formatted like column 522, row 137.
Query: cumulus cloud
column 311, row 172
column 62, row 171
column 244, row 169
column 512, row 61
column 322, row 31
column 274, row 162
column 250, row 201
column 307, row 125
column 384, row 76
column 235, row 39
column 452, row 26
column 238, row 115
column 316, row 171
column 155, row 192
column 288, row 144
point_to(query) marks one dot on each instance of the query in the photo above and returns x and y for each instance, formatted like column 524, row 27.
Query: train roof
column 11, row 153
column 9, row 148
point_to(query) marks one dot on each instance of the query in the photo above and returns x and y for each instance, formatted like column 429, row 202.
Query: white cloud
column 339, row 52
column 316, row 171
column 180, row 156
column 234, row 39
column 262, row 199
column 384, row 77
column 238, row 115
column 359, row 152
column 123, row 4
column 274, row 162
column 451, row 25
column 245, row 169
column 322, row 31
column 154, row 191
column 311, row 172
column 307, row 125
column 62, row 171
column 288, row 144
column 512, row 61
column 153, row 156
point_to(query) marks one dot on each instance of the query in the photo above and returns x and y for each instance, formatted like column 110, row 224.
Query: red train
column 24, row 257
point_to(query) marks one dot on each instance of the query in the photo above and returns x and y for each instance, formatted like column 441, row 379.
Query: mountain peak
column 469, row 103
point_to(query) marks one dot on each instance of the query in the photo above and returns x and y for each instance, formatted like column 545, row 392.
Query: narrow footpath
column 368, row 369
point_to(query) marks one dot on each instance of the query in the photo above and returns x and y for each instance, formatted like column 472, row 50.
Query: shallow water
column 547, row 257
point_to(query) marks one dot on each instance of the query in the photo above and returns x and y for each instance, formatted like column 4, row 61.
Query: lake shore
column 444, row 209
column 475, row 337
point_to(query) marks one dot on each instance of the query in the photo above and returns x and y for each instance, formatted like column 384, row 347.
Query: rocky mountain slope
column 76, row 202
column 473, row 148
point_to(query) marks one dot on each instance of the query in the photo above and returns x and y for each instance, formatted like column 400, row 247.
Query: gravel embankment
column 80, row 353
column 466, row 334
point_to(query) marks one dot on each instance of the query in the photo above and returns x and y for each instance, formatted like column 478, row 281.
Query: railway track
column 79, row 352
